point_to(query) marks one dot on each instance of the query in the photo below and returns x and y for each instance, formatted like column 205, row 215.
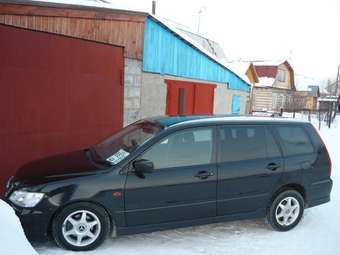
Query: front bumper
column 35, row 223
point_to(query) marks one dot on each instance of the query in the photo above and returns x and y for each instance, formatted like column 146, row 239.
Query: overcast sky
column 308, row 31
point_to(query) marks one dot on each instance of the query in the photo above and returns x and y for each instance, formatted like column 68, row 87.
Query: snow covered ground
column 318, row 232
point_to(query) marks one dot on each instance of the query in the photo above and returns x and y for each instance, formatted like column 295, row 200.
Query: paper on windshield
column 118, row 156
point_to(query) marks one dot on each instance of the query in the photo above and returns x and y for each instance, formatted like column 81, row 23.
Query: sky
column 306, row 32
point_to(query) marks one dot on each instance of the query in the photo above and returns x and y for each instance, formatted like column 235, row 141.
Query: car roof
column 183, row 120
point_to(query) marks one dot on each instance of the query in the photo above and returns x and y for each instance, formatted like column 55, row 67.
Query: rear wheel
column 286, row 210
column 81, row 226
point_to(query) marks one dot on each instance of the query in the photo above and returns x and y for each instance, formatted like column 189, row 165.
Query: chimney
column 153, row 7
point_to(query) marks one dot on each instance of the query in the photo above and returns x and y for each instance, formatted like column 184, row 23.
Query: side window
column 242, row 143
column 184, row 148
column 294, row 140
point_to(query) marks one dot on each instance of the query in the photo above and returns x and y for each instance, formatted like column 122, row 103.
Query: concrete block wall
column 132, row 90
column 223, row 100
column 153, row 95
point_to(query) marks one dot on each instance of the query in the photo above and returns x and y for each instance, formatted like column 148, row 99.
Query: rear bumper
column 319, row 193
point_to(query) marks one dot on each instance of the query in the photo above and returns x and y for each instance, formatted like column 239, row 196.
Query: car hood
column 58, row 167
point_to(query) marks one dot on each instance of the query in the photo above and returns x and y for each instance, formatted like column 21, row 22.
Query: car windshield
column 118, row 146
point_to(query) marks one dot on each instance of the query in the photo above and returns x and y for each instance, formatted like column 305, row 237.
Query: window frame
column 283, row 75
column 282, row 146
column 173, row 132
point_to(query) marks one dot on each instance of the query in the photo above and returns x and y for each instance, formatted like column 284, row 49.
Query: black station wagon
column 168, row 172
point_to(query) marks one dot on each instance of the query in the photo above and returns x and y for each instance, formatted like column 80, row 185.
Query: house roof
column 269, row 69
column 121, row 7
column 208, row 44
column 240, row 68
column 266, row 71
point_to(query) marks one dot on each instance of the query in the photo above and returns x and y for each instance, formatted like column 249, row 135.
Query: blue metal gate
column 236, row 105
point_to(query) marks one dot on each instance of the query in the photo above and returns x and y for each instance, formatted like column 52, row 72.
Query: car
column 174, row 171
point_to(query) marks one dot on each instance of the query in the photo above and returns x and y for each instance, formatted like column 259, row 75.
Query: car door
column 183, row 183
column 250, row 166
column 300, row 155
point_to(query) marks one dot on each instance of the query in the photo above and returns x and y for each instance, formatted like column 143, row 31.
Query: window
column 242, row 143
column 281, row 75
column 294, row 140
column 184, row 148
column 115, row 148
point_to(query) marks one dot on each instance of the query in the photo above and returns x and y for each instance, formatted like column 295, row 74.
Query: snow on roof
column 210, row 45
column 327, row 99
column 194, row 43
column 267, row 63
column 265, row 82
column 240, row 68
column 115, row 5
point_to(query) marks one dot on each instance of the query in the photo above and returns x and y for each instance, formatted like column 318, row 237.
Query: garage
column 186, row 98
column 58, row 94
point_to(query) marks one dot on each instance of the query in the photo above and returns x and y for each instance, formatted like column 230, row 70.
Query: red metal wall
column 199, row 97
column 58, row 94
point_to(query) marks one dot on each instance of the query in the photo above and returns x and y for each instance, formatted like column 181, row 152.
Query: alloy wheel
column 81, row 228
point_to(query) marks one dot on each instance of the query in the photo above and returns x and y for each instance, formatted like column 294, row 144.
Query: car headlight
column 25, row 198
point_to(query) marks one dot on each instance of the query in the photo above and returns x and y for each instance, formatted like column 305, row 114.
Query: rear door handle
column 204, row 175
column 272, row 166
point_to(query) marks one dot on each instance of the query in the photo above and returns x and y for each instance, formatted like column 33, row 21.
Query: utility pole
column 337, row 83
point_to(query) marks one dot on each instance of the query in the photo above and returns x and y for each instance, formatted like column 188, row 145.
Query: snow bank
column 12, row 238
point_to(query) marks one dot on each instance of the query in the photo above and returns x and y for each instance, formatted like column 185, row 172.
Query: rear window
column 294, row 140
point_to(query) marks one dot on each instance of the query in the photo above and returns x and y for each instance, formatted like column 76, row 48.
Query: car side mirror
column 143, row 166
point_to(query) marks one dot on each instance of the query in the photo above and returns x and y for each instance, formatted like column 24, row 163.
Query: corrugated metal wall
column 115, row 28
column 58, row 94
column 166, row 53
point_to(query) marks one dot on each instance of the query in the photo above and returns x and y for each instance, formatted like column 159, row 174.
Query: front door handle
column 204, row 175
column 272, row 166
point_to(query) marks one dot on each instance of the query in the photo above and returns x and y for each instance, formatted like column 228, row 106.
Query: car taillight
column 326, row 150
column 329, row 157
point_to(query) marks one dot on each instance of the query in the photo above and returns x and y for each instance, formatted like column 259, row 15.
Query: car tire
column 286, row 210
column 81, row 227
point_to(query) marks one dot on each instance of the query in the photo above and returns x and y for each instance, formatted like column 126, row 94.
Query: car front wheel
column 81, row 226
column 286, row 210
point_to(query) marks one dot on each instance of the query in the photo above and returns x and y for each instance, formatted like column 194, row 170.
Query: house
column 273, row 85
column 73, row 74
column 309, row 97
